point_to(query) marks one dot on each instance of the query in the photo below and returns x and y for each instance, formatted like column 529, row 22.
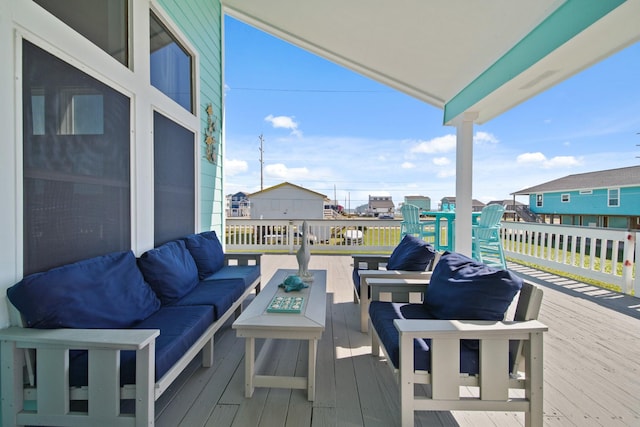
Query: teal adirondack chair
column 411, row 223
column 486, row 244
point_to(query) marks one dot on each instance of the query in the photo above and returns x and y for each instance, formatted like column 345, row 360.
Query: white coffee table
column 256, row 322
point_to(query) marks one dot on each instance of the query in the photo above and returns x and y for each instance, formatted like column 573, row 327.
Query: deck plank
column 591, row 371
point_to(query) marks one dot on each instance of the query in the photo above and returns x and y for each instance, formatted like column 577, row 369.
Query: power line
column 264, row 89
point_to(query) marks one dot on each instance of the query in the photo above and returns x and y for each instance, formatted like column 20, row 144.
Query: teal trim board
column 571, row 18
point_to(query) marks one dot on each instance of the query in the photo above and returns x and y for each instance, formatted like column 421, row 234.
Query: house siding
column 201, row 22
column 287, row 203
column 595, row 203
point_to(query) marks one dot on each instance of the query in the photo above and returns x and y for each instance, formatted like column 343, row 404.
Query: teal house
column 608, row 198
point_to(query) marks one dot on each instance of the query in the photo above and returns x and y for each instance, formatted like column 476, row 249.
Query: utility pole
column 261, row 138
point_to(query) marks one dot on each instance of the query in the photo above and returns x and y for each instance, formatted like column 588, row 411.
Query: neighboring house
column 238, row 205
column 380, row 205
column 608, row 198
column 422, row 202
column 449, row 204
column 361, row 210
column 510, row 207
column 287, row 201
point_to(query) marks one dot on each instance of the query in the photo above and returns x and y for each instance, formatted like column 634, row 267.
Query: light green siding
column 201, row 22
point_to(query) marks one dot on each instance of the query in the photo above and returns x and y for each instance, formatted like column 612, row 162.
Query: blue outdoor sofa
column 113, row 329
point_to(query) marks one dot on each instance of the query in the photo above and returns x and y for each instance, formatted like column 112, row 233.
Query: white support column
column 464, row 178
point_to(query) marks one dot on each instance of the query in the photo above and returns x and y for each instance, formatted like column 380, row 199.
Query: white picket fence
column 602, row 254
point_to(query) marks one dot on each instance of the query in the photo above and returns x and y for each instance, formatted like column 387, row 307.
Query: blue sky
column 333, row 131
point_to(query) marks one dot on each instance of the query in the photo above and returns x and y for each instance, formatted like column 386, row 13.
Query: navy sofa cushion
column 206, row 250
column 246, row 273
column 382, row 315
column 219, row 294
column 102, row 292
column 462, row 288
column 180, row 328
column 412, row 254
column 170, row 270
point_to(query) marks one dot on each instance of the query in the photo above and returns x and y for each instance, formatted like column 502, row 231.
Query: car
column 385, row 216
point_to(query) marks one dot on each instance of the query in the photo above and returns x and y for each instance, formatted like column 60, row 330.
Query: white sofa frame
column 494, row 380
column 376, row 270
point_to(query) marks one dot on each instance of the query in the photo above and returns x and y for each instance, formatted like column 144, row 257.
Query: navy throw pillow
column 102, row 292
column 462, row 288
column 206, row 250
column 170, row 271
column 412, row 254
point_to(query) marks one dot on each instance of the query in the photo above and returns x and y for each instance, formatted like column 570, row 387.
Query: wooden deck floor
column 592, row 367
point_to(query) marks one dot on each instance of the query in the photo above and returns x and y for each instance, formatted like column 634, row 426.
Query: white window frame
column 609, row 190
column 35, row 24
column 565, row 198
column 539, row 200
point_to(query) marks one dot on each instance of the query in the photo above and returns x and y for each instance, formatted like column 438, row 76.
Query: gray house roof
column 622, row 177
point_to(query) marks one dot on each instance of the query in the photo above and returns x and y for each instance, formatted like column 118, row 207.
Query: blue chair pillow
column 170, row 270
column 102, row 292
column 412, row 254
column 206, row 250
column 462, row 288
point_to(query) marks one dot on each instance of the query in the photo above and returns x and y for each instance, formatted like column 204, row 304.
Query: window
column 171, row 65
column 564, row 198
column 585, row 192
column 614, row 197
column 76, row 173
column 174, row 180
column 539, row 200
column 103, row 22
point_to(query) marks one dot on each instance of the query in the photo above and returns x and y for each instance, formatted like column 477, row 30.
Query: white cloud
column 446, row 173
column 531, row 158
column 407, row 165
column 279, row 170
column 563, row 161
column 544, row 162
column 482, row 137
column 233, row 167
column 440, row 144
column 441, row 161
column 284, row 122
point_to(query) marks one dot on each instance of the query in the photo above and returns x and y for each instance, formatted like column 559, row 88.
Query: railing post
column 631, row 246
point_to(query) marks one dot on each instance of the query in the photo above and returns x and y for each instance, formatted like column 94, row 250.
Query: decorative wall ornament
column 209, row 135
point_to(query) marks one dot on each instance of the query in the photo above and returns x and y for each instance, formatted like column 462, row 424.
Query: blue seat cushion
column 220, row 294
column 412, row 254
column 465, row 289
column 206, row 250
column 180, row 327
column 247, row 273
column 170, row 270
column 356, row 278
column 383, row 314
column 101, row 292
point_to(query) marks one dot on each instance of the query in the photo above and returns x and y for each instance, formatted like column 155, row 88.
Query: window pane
column 170, row 65
column 76, row 164
column 174, row 180
column 104, row 22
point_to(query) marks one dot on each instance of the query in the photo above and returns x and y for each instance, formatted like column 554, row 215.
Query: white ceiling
column 434, row 50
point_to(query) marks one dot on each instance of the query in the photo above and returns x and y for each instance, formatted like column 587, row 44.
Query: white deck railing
column 603, row 254
column 583, row 251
